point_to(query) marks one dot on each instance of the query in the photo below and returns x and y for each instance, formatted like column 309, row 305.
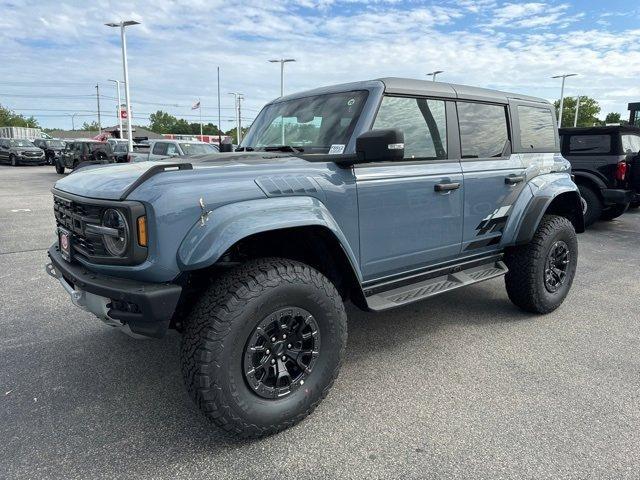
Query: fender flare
column 599, row 182
column 225, row 226
column 543, row 196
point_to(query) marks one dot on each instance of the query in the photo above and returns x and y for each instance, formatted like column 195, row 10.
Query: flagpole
column 200, row 110
column 219, row 117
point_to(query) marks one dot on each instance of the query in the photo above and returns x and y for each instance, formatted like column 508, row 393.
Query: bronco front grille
column 75, row 217
column 75, row 214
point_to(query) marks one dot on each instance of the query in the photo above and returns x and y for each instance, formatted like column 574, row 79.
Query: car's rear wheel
column 263, row 346
column 614, row 211
column 591, row 205
column 542, row 271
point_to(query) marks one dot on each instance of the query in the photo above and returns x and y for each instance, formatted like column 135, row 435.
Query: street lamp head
column 283, row 60
column 565, row 75
column 125, row 23
column 435, row 73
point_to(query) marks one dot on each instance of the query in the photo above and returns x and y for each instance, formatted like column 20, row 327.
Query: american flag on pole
column 196, row 105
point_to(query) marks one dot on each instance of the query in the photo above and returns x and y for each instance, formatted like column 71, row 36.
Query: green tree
column 90, row 126
column 233, row 133
column 587, row 114
column 9, row 118
column 613, row 117
column 162, row 122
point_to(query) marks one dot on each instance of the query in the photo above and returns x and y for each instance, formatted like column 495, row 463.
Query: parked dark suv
column 17, row 151
column 606, row 165
column 52, row 148
column 79, row 151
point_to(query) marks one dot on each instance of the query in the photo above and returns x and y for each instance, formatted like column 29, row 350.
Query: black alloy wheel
column 281, row 352
column 555, row 270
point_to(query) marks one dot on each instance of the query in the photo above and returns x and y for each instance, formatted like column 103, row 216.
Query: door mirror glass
column 380, row 146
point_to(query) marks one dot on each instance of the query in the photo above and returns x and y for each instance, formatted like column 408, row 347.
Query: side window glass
column 483, row 129
column 423, row 122
column 160, row 148
column 172, row 149
column 631, row 143
column 589, row 144
column 536, row 128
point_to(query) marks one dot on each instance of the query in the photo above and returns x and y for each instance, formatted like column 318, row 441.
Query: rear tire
column 613, row 212
column 592, row 205
column 241, row 384
column 540, row 276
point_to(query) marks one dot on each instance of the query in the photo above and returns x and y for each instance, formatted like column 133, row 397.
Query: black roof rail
column 163, row 167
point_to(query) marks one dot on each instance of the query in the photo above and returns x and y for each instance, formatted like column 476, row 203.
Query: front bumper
column 34, row 160
column 145, row 308
column 614, row 196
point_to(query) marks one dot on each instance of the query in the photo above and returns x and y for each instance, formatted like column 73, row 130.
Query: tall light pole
column 575, row 119
column 563, row 77
column 238, row 100
column 123, row 38
column 73, row 123
column 117, row 82
column 433, row 74
column 282, row 61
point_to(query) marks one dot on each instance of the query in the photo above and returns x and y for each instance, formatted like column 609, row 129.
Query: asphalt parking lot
column 462, row 386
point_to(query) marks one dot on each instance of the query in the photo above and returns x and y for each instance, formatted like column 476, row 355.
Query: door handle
column 446, row 187
column 514, row 179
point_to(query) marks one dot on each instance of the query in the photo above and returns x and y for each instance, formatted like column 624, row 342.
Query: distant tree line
column 9, row 118
column 588, row 113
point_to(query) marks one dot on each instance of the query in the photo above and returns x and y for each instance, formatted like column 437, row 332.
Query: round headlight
column 116, row 245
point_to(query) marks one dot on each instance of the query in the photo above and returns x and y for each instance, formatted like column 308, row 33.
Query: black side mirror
column 380, row 146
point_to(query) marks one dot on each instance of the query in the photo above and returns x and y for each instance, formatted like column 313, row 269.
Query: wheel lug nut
column 284, row 335
column 301, row 382
column 268, row 351
column 284, row 357
column 273, row 339
column 289, row 345
column 273, row 360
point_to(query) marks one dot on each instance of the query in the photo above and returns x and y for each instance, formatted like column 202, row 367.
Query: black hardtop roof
column 599, row 130
column 426, row 88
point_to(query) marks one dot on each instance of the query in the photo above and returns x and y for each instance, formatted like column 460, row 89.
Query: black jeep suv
column 606, row 165
column 77, row 152
column 52, row 148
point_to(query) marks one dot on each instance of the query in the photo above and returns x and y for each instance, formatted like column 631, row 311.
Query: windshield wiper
column 283, row 148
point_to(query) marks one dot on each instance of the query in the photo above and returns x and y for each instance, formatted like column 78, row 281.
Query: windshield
column 196, row 148
column 54, row 144
column 21, row 143
column 318, row 124
column 121, row 147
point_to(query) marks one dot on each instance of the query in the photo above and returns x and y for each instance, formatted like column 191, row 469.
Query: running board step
column 434, row 286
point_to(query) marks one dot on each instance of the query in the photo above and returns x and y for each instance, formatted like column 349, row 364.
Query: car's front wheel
column 542, row 271
column 263, row 346
column 13, row 160
column 59, row 167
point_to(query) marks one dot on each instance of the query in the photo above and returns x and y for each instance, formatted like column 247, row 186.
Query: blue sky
column 53, row 53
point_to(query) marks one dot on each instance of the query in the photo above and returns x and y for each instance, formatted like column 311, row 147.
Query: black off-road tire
column 593, row 208
column 613, row 212
column 59, row 168
column 525, row 280
column 220, row 326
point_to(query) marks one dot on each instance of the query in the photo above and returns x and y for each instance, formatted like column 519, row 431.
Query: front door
column 493, row 177
column 410, row 212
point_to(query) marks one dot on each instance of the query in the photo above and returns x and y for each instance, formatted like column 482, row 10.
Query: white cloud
column 174, row 53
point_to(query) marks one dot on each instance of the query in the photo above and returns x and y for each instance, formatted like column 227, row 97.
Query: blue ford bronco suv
column 380, row 192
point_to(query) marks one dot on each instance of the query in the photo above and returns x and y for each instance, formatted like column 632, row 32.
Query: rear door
column 407, row 220
column 4, row 151
column 493, row 176
column 159, row 150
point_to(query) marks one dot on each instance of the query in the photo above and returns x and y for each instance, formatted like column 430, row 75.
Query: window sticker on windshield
column 336, row 149
column 351, row 101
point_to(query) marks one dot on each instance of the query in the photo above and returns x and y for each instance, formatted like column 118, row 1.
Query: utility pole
column 563, row 77
column 98, row 99
column 238, row 100
column 123, row 41
column 219, row 116
column 575, row 120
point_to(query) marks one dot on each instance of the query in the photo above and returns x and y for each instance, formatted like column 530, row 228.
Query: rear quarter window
column 537, row 129
column 589, row 144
